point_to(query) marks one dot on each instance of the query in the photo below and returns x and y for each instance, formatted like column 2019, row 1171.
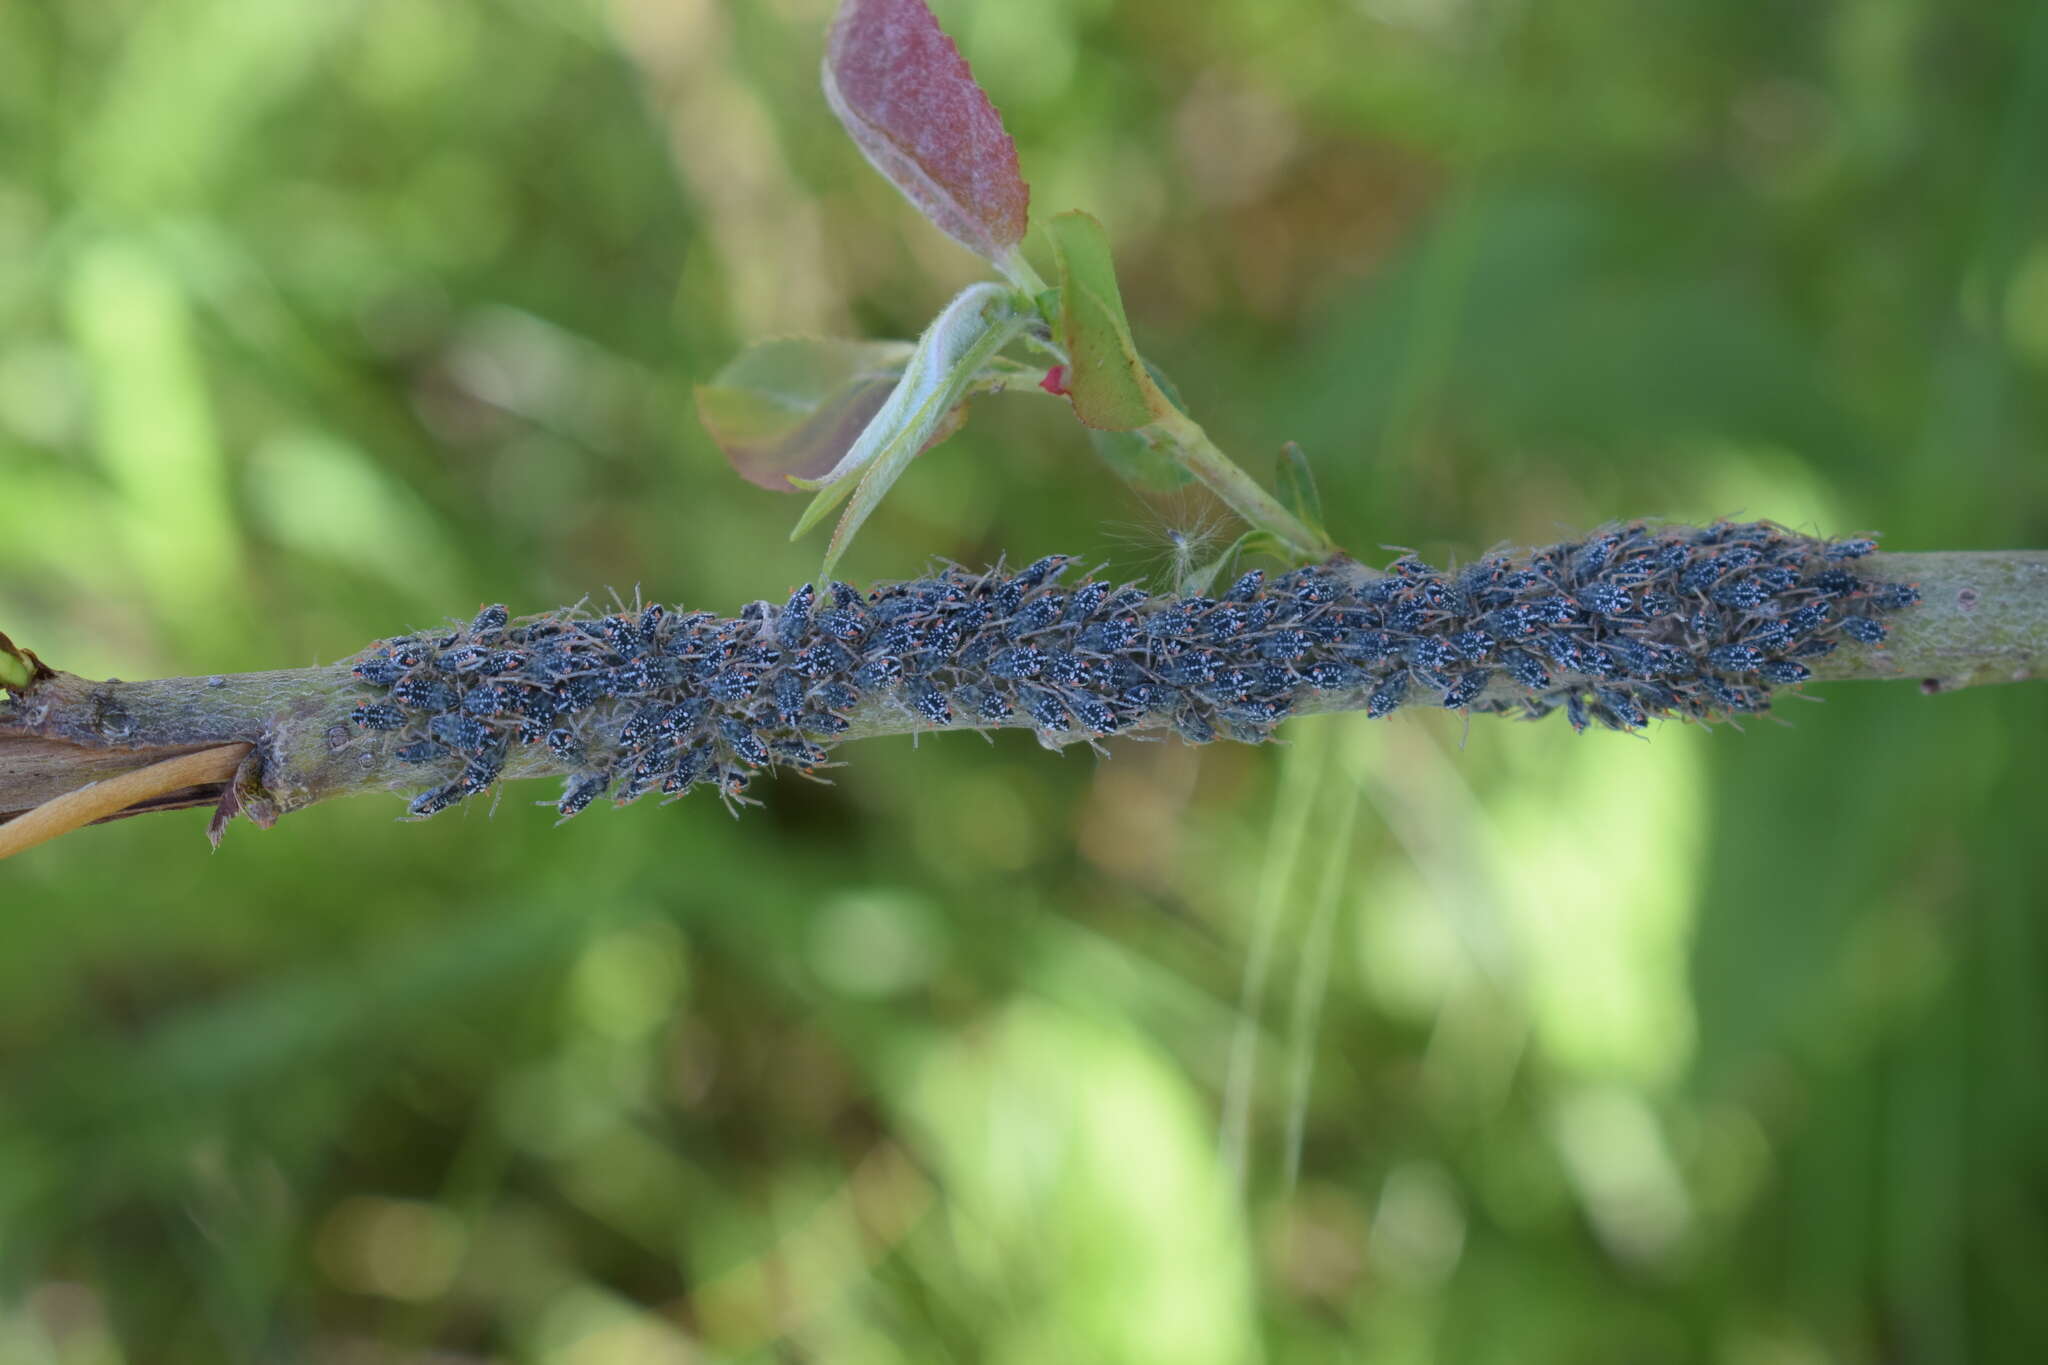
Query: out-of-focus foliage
column 323, row 317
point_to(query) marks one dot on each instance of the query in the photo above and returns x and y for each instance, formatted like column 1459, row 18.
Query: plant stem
column 1261, row 509
column 1983, row 619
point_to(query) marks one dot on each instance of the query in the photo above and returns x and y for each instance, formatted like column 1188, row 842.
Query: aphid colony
column 1633, row 622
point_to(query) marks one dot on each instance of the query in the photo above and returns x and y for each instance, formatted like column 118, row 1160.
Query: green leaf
column 1298, row 487
column 1140, row 458
column 791, row 408
column 1110, row 386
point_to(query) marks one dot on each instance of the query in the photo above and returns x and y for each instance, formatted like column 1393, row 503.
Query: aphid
column 795, row 621
column 1193, row 726
column 1107, row 637
column 1466, row 687
column 1020, row 661
column 1594, row 662
column 1736, row 658
column 1284, row 644
column 1771, row 635
column 990, row 704
column 1195, row 667
column 1312, row 587
column 800, row 754
column 1147, row 696
column 1605, row 599
column 1226, row 621
column 1365, row 646
column 1593, row 558
column 1045, row 709
column 562, row 743
column 1777, row 579
column 688, row 765
column 1430, row 657
column 424, row 694
column 821, row 723
column 743, row 741
column 1332, row 677
column 835, row 696
column 1813, row 649
column 928, row 701
column 378, row 716
column 488, row 620
column 1575, row 712
column 465, row 658
column 1063, row 668
column 434, row 802
column 1258, row 710
column 1743, row 594
column 1472, row 645
column 733, row 685
column 1555, row 609
column 821, row 660
column 1863, row 628
column 1731, row 697
column 840, row 624
column 381, row 669
column 481, row 772
column 845, row 597
column 579, row 790
column 1085, row 600
column 1784, row 672
column 1809, row 616
column 1836, row 582
column 1042, row 570
column 1525, row 669
column 788, row 691
column 1659, row 604
column 1510, row 623
column 683, row 716
column 420, row 751
column 1036, row 614
column 878, row 673
column 1096, row 716
column 1246, row 587
column 1892, row 596
column 1633, row 656
column 1387, row 696
column 649, row 627
column 464, row 734
column 1849, row 549
column 1622, row 708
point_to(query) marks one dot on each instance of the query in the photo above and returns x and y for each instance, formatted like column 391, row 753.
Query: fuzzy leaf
column 910, row 103
column 1110, row 386
column 957, row 354
column 794, row 406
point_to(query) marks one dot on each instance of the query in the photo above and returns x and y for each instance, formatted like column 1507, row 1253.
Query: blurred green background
column 322, row 318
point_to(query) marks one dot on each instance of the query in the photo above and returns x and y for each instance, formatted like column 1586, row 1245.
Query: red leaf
column 907, row 98
column 1055, row 381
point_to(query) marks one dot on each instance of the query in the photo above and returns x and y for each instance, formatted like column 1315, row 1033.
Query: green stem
column 1014, row 268
column 1193, row 448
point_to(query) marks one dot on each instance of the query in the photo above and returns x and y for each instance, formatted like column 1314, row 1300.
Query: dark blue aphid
column 1465, row 688
column 1387, row 696
column 1863, row 628
column 795, row 621
column 378, row 716
column 928, row 701
column 1784, row 672
column 1736, row 658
